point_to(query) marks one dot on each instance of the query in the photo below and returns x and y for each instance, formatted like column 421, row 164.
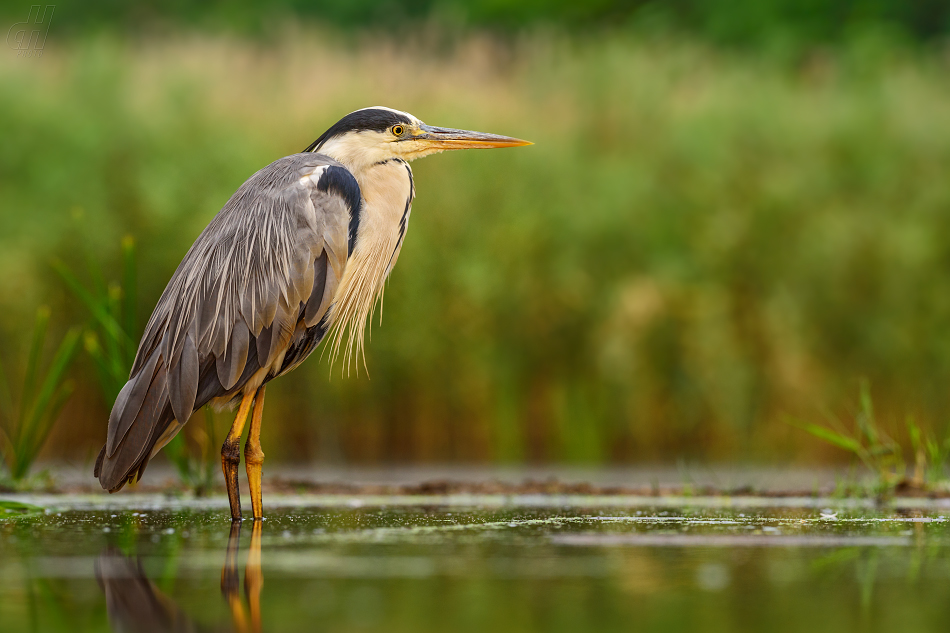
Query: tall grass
column 699, row 244
column 29, row 407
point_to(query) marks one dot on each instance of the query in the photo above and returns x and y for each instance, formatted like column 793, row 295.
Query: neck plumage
column 387, row 191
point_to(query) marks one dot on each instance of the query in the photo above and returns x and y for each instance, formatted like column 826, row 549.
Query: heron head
column 371, row 135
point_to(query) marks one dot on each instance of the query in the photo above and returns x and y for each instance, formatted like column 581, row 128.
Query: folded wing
column 250, row 300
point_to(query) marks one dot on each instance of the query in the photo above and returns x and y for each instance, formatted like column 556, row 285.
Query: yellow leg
column 254, row 578
column 231, row 456
column 254, row 456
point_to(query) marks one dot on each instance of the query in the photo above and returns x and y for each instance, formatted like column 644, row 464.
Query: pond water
column 473, row 565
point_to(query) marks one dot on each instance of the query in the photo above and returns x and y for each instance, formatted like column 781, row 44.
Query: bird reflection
column 253, row 580
column 134, row 603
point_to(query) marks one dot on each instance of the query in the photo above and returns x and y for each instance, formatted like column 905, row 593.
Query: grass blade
column 832, row 437
column 106, row 320
column 7, row 450
column 866, row 419
column 7, row 410
column 32, row 360
column 109, row 379
column 114, row 345
column 129, row 296
column 37, row 424
column 50, row 415
column 95, row 274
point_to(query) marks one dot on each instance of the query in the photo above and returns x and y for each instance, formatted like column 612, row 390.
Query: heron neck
column 387, row 191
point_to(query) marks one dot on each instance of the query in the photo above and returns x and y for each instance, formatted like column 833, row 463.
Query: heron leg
column 254, row 456
column 231, row 456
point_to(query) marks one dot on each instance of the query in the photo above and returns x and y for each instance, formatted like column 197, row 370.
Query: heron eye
column 398, row 130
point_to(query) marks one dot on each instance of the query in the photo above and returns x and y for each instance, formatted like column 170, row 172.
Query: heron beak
column 442, row 138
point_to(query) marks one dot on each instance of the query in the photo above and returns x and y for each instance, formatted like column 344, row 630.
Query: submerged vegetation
column 700, row 244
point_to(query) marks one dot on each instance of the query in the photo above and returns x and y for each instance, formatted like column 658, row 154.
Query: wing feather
column 230, row 365
column 321, row 292
column 208, row 316
column 128, row 404
column 183, row 380
column 135, row 446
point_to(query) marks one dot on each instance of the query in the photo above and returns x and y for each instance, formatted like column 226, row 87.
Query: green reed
column 30, row 406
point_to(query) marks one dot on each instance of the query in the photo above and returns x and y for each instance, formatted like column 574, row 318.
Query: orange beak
column 446, row 138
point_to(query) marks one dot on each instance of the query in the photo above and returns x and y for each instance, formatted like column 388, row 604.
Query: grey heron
column 300, row 251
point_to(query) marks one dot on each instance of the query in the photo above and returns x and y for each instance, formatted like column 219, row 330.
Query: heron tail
column 138, row 426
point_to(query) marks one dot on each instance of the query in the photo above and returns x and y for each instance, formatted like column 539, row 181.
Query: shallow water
column 354, row 566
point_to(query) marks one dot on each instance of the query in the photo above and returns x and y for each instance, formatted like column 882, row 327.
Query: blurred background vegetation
column 735, row 212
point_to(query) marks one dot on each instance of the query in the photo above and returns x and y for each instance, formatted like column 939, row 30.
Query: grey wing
column 250, row 301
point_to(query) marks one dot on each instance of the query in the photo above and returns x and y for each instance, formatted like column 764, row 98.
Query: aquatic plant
column 930, row 456
column 25, row 422
column 13, row 510
column 884, row 456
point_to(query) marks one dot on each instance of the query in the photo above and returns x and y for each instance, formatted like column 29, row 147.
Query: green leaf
column 7, row 450
column 832, row 437
column 36, row 348
column 45, row 425
column 129, row 297
column 866, row 418
column 110, row 382
column 114, row 345
column 95, row 275
column 914, row 432
column 7, row 409
column 36, row 425
column 11, row 510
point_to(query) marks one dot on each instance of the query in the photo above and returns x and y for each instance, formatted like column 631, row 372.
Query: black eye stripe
column 371, row 119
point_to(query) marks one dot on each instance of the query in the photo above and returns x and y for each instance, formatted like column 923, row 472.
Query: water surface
column 364, row 565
